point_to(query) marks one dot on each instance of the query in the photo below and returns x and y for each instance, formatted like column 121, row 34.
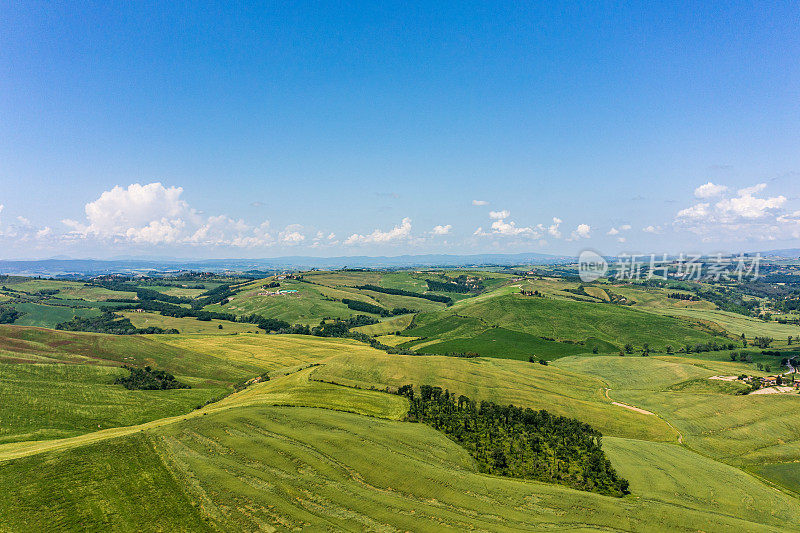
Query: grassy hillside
column 47, row 316
column 116, row 485
column 47, row 401
column 502, row 381
column 59, row 384
column 188, row 324
column 289, row 467
column 515, row 326
column 742, row 430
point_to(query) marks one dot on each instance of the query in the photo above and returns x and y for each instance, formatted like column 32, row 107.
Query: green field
column 324, row 445
column 188, row 324
column 48, row 316
column 514, row 326
column 741, row 430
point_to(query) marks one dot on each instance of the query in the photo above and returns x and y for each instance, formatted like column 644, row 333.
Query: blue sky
column 216, row 130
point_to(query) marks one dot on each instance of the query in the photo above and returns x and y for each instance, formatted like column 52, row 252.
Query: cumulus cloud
column 746, row 215
column 746, row 205
column 709, row 190
column 695, row 212
column 480, row 202
column 613, row 231
column 154, row 214
column 148, row 213
column 22, row 230
column 441, row 230
column 292, row 235
column 553, row 229
column 652, row 229
column 499, row 215
column 582, row 231
column 397, row 233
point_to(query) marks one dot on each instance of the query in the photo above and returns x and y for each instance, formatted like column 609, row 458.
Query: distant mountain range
column 64, row 266
column 789, row 253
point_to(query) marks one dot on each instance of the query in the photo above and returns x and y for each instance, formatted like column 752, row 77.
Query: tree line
column 366, row 307
column 401, row 292
column 148, row 379
column 109, row 322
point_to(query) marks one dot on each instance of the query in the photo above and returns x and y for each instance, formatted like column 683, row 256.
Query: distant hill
column 789, row 253
column 53, row 267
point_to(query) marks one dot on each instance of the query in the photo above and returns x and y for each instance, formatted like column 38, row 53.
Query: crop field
column 287, row 431
column 502, row 381
column 587, row 326
column 315, row 468
column 738, row 324
column 188, row 324
column 307, row 306
column 267, row 352
column 755, row 429
column 47, row 316
column 48, row 401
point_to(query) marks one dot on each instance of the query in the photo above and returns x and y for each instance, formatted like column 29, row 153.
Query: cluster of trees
column 8, row 315
column 141, row 293
column 531, row 293
column 682, row 296
column 400, row 292
column 148, row 379
column 109, row 322
column 712, row 346
column 341, row 328
column 461, row 285
column 786, row 305
column 213, row 296
column 516, row 442
column 743, row 357
column 763, row 342
column 729, row 300
column 358, row 305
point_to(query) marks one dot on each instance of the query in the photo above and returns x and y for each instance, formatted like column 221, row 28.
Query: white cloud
column 148, row 213
column 480, row 202
column 292, row 235
column 750, row 191
column 510, row 228
column 441, row 230
column 582, row 231
column 748, row 206
column 740, row 217
column 618, row 230
column 553, row 229
column 153, row 214
column 499, row 215
column 22, row 230
column 621, row 239
column 400, row 232
column 697, row 211
column 652, row 229
column 709, row 190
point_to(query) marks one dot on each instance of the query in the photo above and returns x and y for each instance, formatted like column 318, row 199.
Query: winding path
column 644, row 412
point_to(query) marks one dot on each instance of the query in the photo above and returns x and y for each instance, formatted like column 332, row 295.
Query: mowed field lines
column 503, row 381
column 285, row 468
column 307, row 450
column 748, row 431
